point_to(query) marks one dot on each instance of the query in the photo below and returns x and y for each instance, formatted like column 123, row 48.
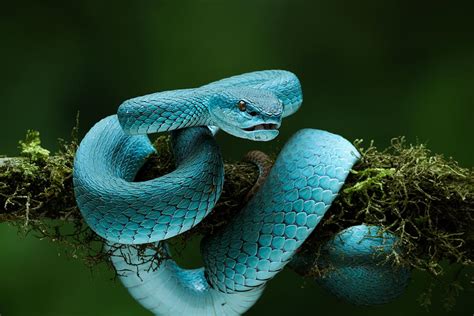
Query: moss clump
column 31, row 147
column 38, row 178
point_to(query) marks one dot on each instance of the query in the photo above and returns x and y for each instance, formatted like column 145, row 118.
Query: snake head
column 249, row 113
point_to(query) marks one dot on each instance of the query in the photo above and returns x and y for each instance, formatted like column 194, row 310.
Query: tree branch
column 425, row 199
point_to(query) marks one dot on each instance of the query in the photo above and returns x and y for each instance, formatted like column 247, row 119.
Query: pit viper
column 263, row 237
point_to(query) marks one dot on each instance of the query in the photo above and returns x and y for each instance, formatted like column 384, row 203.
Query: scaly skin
column 261, row 239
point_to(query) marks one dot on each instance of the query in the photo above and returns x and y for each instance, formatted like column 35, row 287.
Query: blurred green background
column 373, row 71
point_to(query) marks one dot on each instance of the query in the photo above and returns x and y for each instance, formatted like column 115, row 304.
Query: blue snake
column 262, row 238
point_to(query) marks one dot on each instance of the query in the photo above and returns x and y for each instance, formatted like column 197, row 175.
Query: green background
column 371, row 71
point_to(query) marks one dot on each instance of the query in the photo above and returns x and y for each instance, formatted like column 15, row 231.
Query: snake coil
column 263, row 237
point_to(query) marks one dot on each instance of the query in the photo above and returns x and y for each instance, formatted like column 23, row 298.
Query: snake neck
column 165, row 111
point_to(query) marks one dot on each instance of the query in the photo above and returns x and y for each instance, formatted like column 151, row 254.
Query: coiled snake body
column 263, row 237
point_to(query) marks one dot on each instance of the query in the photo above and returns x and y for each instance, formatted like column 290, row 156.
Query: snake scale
column 266, row 233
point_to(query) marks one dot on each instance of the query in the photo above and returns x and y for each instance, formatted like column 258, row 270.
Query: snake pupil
column 242, row 105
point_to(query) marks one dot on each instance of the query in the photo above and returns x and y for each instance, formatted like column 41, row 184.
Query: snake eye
column 242, row 105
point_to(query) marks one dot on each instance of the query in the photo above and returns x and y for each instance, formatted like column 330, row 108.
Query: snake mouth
column 261, row 127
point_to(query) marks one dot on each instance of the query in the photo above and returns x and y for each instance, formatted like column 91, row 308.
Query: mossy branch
column 427, row 200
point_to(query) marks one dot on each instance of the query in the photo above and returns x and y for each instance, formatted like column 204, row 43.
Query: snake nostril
column 253, row 113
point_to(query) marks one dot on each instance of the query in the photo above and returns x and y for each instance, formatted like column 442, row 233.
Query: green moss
column 369, row 178
column 31, row 147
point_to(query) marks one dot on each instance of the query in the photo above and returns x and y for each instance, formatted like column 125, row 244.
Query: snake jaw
column 263, row 126
column 261, row 132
